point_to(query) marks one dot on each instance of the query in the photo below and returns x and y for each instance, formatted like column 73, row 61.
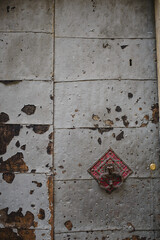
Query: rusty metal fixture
column 109, row 171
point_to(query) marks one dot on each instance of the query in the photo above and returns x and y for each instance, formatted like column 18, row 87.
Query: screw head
column 152, row 166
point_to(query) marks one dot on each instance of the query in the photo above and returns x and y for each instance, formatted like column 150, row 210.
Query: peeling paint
column 8, row 177
column 95, row 117
column 4, row 117
column 37, row 183
column 155, row 113
column 17, row 219
column 29, row 109
column 20, row 234
column 14, row 164
column 108, row 122
column 120, row 136
column 40, row 129
column 7, row 132
column 125, row 122
column 68, row 224
column 41, row 214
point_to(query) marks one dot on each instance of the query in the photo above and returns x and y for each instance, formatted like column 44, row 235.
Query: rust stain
column 146, row 117
column 7, row 132
column 102, row 130
column 8, row 177
column 131, row 227
column 144, row 124
column 17, row 219
column 108, row 122
column 27, row 234
column 9, row 234
column 4, row 117
column 14, row 164
column 29, row 109
column 41, row 214
column 155, row 113
column 51, row 136
column 50, row 148
column 50, row 199
column 68, row 224
column 95, row 117
column 37, row 183
column 50, row 144
column 125, row 122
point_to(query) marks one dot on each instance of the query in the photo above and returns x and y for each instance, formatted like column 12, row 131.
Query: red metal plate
column 108, row 181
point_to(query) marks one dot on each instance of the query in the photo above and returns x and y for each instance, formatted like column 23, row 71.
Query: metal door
column 105, row 96
column 78, row 77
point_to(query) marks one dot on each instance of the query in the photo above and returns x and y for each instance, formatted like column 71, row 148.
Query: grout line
column 114, row 79
column 74, row 81
column 107, row 38
column 21, row 31
column 78, row 37
column 72, row 128
column 77, row 179
column 103, row 230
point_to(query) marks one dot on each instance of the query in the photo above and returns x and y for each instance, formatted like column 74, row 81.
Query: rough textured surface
column 105, row 95
column 95, row 103
column 107, row 19
column 21, row 201
column 80, row 148
column 27, row 93
column 19, row 15
column 22, row 60
column 107, row 235
column 104, row 59
column 32, row 144
column 90, row 208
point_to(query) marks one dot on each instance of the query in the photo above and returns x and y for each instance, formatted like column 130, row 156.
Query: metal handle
column 111, row 176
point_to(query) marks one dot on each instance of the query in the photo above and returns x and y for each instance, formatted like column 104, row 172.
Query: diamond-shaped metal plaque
column 110, row 171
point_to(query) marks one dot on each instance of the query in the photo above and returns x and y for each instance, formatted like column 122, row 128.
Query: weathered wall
column 102, row 67
column 26, row 119
column 105, row 95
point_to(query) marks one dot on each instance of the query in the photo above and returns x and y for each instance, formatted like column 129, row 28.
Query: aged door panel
column 105, row 96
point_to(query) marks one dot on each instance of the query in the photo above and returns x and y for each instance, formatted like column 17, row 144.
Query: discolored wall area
column 77, row 77
column 26, row 120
